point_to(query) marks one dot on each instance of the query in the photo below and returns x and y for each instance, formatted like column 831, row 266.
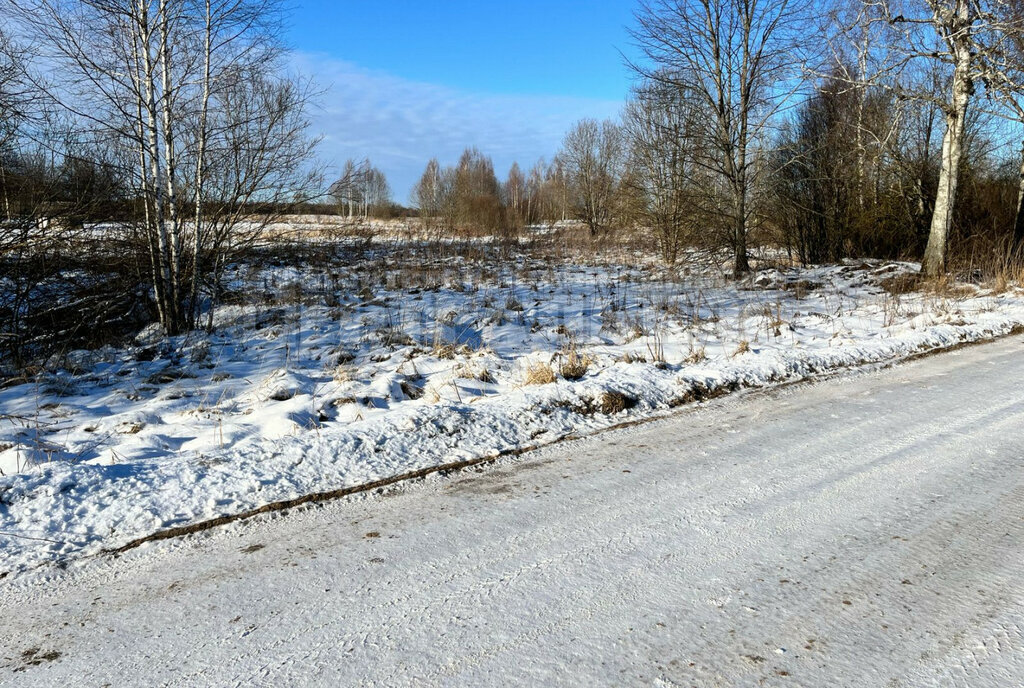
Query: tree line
column 880, row 128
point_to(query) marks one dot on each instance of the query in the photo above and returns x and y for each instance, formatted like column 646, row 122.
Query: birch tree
column 163, row 80
column 534, row 192
column 428, row 194
column 960, row 45
column 347, row 189
column 863, row 60
column 362, row 190
column 515, row 191
column 555, row 192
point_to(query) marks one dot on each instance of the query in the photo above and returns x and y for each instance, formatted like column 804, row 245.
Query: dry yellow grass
column 574, row 366
column 696, row 355
column 539, row 374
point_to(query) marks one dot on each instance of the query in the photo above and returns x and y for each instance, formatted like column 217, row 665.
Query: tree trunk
column 176, row 321
column 3, row 185
column 200, row 182
column 861, row 153
column 934, row 263
column 1018, row 224
column 155, row 182
column 741, row 266
column 139, row 80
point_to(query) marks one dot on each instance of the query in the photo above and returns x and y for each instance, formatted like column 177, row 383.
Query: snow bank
column 315, row 400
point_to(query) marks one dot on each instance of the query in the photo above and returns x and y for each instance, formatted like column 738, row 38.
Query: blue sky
column 405, row 81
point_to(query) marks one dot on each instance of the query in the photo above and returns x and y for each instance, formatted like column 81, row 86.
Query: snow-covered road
column 860, row 532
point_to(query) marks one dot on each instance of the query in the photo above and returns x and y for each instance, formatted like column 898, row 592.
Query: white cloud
column 401, row 124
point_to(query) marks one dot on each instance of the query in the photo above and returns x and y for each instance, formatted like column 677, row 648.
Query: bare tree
column 477, row 194
column 956, row 45
column 1004, row 76
column 59, row 291
column 163, row 80
column 347, row 189
column 742, row 59
column 258, row 156
column 362, row 190
column 515, row 191
column 554, row 196
column 534, row 192
column 14, row 104
column 430, row 193
column 862, row 60
column 663, row 129
column 593, row 156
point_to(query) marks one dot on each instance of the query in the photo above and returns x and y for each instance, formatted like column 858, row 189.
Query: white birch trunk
column 201, row 165
column 934, row 263
column 155, row 183
column 1018, row 224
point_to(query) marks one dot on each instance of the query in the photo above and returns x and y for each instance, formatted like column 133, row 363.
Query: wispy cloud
column 400, row 124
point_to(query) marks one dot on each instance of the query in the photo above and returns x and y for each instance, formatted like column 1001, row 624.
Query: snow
column 865, row 531
column 329, row 377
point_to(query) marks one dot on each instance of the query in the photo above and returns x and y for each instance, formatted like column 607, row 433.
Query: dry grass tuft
column 743, row 348
column 696, row 355
column 539, row 374
column 613, row 402
column 632, row 357
column 474, row 371
column 1007, row 274
column 446, row 351
column 901, row 284
column 574, row 366
column 801, row 288
column 946, row 287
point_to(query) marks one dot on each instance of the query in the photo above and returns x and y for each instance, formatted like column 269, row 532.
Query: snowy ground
column 866, row 531
column 392, row 360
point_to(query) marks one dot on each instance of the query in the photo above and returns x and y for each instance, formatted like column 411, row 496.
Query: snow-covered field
column 323, row 374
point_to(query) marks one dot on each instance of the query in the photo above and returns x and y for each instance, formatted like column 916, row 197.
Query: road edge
column 685, row 405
